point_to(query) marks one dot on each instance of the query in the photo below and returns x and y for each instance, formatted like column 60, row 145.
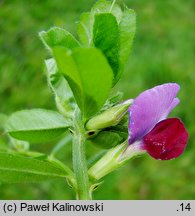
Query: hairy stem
column 79, row 159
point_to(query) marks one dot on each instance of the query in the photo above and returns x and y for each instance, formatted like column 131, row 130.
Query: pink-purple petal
column 175, row 102
column 150, row 107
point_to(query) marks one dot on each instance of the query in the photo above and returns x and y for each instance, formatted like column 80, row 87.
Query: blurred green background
column 163, row 51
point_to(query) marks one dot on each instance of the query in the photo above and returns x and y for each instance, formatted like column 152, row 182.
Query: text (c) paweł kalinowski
column 61, row 207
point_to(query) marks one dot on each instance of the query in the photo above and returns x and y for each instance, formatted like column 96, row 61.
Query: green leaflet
column 58, row 37
column 127, row 28
column 15, row 168
column 64, row 98
column 88, row 74
column 110, row 29
column 106, row 37
column 36, row 125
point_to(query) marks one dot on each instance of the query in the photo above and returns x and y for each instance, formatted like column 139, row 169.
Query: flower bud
column 110, row 117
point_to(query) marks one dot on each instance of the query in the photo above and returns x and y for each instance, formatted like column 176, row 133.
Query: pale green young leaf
column 106, row 38
column 15, row 168
column 58, row 37
column 88, row 74
column 36, row 125
column 64, row 98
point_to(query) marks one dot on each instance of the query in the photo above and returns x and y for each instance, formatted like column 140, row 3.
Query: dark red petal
column 167, row 140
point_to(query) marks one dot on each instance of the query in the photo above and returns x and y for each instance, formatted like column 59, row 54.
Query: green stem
column 79, row 160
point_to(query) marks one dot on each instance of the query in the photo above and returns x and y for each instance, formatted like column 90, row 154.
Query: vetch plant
column 81, row 74
column 148, row 131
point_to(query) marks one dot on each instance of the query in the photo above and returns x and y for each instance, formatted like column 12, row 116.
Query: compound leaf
column 88, row 74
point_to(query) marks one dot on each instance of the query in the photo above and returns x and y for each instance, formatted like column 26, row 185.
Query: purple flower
column 162, row 138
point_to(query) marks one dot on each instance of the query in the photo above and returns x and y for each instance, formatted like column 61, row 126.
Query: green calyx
column 110, row 117
column 113, row 159
column 107, row 163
